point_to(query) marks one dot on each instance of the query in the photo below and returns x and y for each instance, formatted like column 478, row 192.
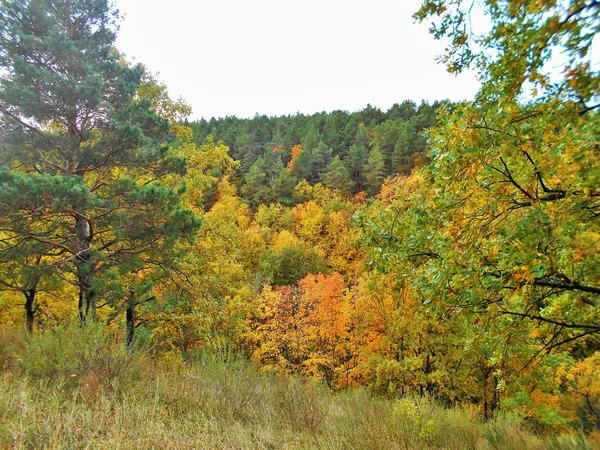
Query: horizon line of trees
column 351, row 152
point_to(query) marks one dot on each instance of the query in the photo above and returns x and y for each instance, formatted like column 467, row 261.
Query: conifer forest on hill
column 426, row 276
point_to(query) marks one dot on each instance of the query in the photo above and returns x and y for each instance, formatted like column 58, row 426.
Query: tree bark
column 30, row 307
column 130, row 319
column 85, row 269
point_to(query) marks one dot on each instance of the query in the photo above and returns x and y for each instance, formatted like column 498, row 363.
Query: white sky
column 274, row 57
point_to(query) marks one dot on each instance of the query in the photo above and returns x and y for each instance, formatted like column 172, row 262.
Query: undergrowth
column 73, row 388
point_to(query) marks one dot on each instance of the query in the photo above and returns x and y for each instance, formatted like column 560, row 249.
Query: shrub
column 79, row 356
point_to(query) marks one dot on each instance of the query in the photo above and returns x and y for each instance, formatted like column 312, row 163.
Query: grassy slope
column 63, row 390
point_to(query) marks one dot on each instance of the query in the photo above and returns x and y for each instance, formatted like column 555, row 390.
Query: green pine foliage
column 326, row 138
column 83, row 153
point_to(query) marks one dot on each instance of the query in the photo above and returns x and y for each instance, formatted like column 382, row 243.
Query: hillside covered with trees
column 415, row 263
column 347, row 152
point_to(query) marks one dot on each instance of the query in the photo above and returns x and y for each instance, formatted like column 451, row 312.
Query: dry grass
column 84, row 400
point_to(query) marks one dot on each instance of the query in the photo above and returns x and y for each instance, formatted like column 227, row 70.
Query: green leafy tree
column 500, row 230
column 287, row 266
column 82, row 142
column 524, row 153
column 505, row 231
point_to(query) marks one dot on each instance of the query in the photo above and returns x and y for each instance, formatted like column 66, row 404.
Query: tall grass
column 81, row 389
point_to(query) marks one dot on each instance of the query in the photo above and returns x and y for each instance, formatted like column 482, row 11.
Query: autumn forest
column 433, row 258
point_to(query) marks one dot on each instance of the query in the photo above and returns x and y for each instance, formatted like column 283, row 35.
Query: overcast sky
column 274, row 57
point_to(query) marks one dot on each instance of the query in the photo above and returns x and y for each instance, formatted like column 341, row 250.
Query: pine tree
column 355, row 161
column 375, row 170
column 337, row 176
column 85, row 153
column 255, row 183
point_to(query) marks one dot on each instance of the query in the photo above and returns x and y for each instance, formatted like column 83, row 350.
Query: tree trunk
column 85, row 269
column 30, row 307
column 130, row 319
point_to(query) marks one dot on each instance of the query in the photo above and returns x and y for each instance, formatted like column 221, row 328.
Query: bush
column 288, row 266
column 84, row 356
